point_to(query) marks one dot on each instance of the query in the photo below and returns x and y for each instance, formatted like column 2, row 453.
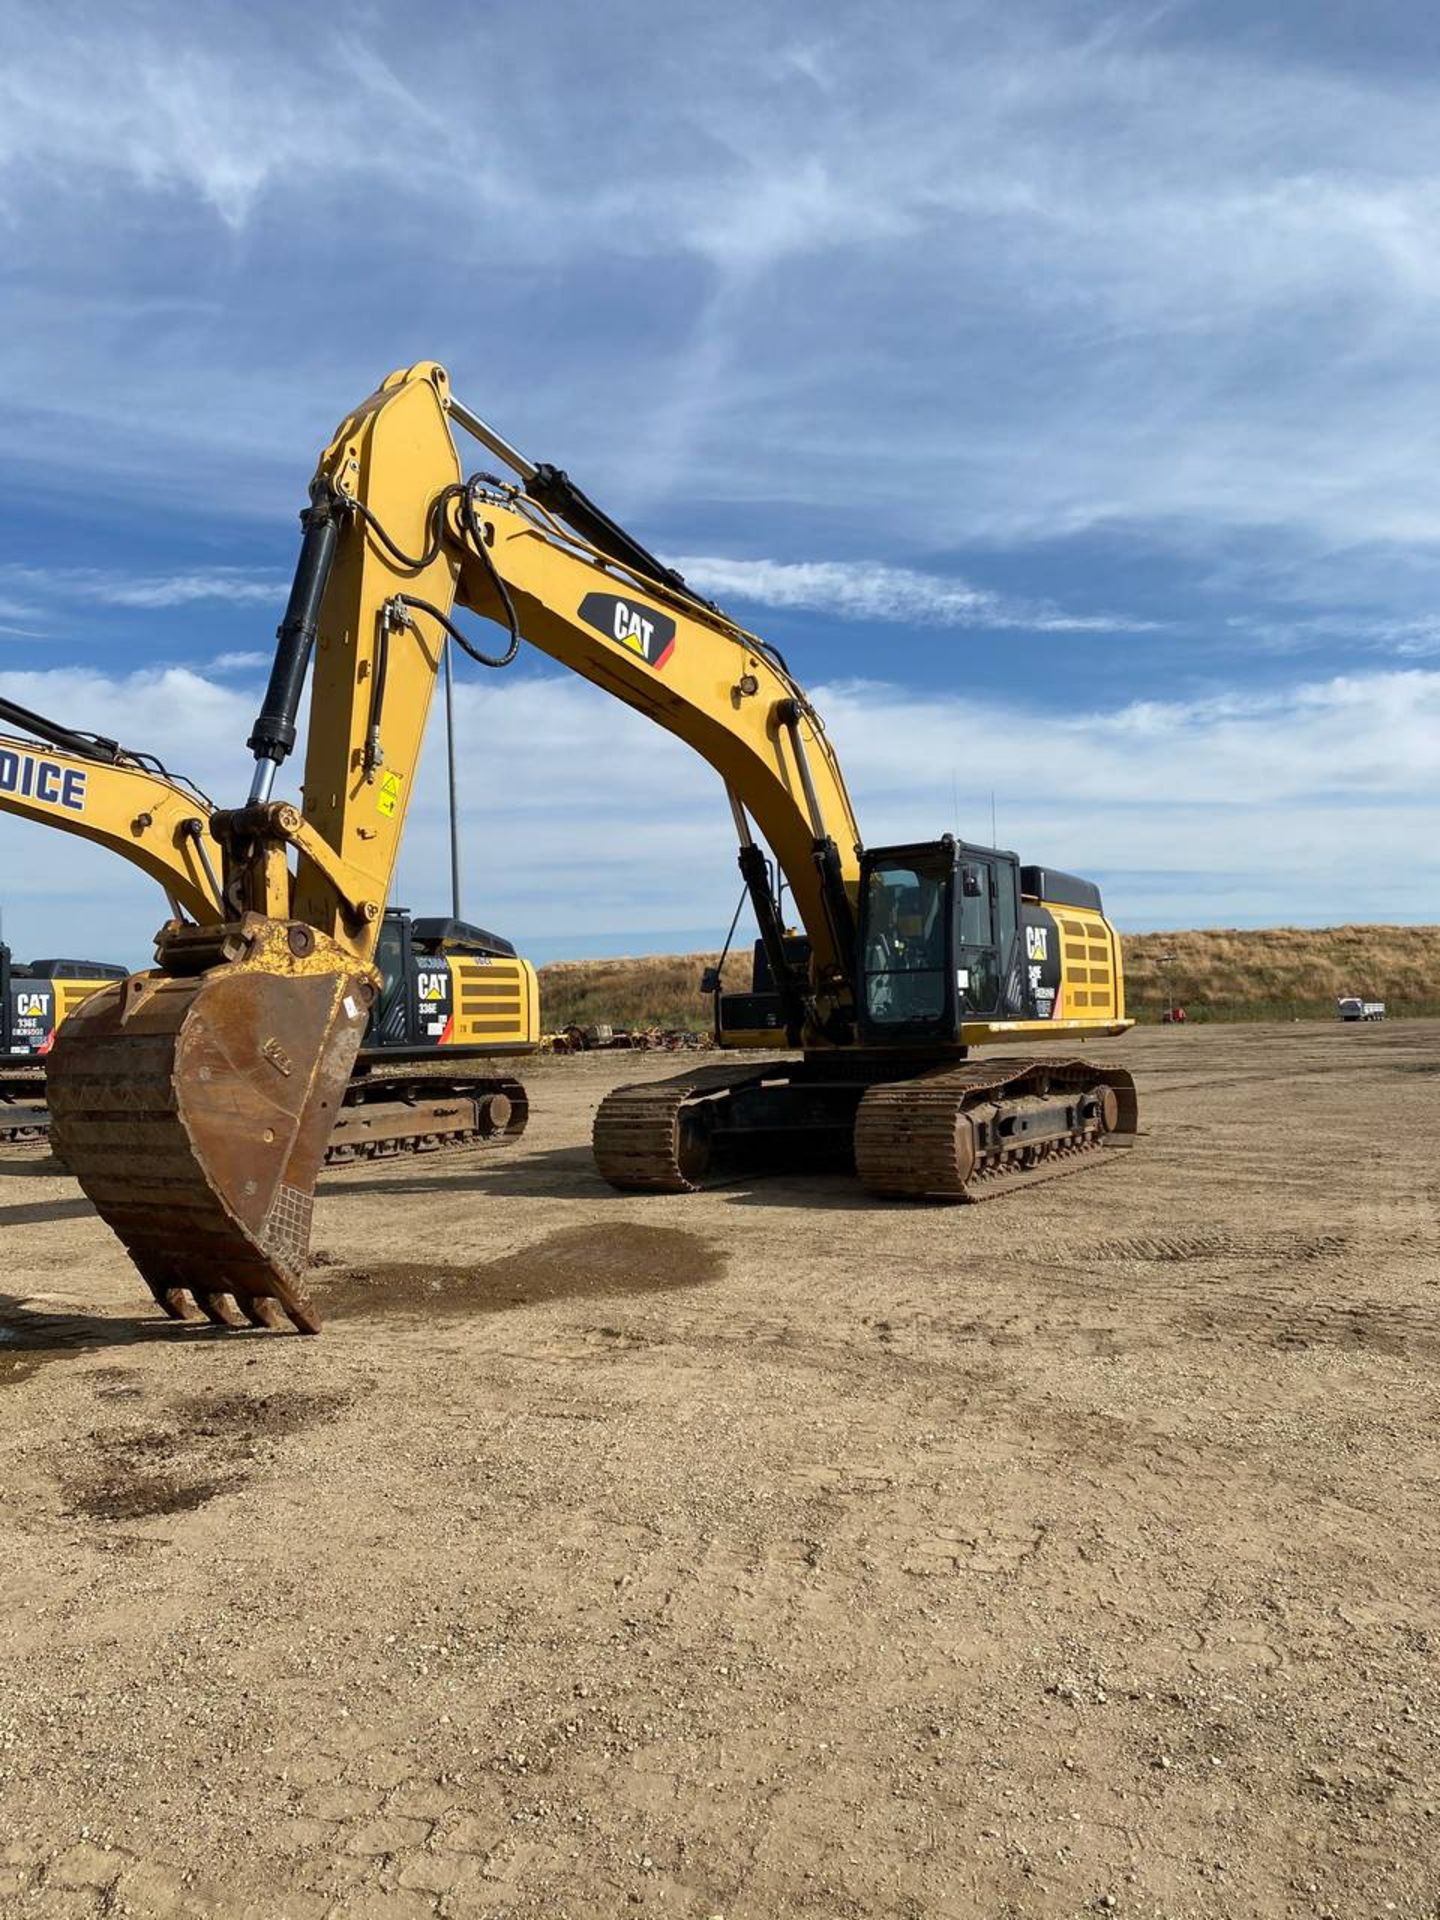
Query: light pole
column 1167, row 961
column 454, row 809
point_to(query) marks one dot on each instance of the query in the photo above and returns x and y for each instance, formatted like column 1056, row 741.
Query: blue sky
column 1056, row 385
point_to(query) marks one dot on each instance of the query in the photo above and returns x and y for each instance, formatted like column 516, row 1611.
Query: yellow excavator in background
column 35, row 996
column 193, row 1102
column 450, row 993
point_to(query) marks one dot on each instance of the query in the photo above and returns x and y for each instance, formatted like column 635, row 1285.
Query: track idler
column 194, row 1106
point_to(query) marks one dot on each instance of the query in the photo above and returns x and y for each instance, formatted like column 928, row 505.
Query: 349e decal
column 33, row 777
column 1042, row 961
column 644, row 630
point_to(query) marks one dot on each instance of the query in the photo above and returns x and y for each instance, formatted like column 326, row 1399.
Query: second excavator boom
column 450, row 993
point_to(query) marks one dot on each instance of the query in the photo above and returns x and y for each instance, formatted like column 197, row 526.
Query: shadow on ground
column 572, row 1263
column 32, row 1334
column 568, row 1173
column 35, row 1213
column 558, row 1173
column 35, row 1166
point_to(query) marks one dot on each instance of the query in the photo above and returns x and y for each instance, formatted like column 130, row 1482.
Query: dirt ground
column 770, row 1551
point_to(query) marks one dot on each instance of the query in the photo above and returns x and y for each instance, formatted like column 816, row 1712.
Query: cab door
column 977, row 935
column 393, row 1020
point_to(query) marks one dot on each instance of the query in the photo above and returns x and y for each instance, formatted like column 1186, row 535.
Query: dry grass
column 657, row 990
column 1267, row 973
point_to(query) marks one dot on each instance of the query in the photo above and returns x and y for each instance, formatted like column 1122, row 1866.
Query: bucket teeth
column 221, row 1310
column 195, row 1113
column 261, row 1311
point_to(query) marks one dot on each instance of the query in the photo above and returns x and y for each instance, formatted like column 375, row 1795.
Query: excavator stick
column 195, row 1105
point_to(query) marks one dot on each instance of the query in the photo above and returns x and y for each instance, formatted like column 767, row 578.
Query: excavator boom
column 91, row 787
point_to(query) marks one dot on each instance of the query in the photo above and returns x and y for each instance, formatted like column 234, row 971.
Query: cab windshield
column 905, row 962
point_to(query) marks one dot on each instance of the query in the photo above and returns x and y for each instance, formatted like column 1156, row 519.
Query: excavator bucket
column 194, row 1106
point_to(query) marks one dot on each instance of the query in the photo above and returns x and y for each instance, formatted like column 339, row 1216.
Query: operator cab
column 435, row 935
column 70, row 970
column 938, row 925
column 948, row 935
column 951, row 933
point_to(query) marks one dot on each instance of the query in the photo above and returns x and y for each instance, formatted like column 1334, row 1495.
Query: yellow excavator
column 35, row 996
column 193, row 1102
column 450, row 993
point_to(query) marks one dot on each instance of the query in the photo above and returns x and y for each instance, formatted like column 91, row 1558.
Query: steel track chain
column 637, row 1129
column 907, row 1143
column 24, row 1126
column 905, row 1135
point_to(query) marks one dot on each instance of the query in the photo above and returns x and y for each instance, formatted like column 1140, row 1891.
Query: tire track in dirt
column 1277, row 1245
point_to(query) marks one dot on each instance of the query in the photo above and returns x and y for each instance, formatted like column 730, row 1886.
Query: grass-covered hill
column 1267, row 973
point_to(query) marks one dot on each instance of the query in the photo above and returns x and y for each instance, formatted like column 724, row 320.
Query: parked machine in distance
column 1352, row 1006
column 450, row 993
column 912, row 956
column 35, row 997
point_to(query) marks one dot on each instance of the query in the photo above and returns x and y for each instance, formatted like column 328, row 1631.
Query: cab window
column 389, row 1017
column 974, row 928
column 905, row 945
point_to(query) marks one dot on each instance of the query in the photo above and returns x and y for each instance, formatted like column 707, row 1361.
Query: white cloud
column 996, row 274
column 998, row 277
column 870, row 590
column 584, row 824
column 174, row 114
column 183, row 589
column 1345, row 634
column 239, row 663
column 151, row 592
